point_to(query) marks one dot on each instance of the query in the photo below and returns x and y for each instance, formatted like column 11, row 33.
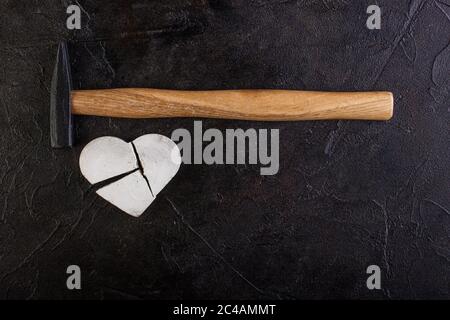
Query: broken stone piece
column 160, row 159
column 105, row 158
column 130, row 194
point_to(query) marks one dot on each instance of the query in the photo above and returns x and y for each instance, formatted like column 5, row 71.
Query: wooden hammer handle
column 262, row 105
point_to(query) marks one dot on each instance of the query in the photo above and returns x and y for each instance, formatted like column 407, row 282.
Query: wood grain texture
column 261, row 105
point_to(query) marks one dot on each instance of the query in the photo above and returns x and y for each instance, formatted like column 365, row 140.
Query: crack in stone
column 141, row 168
column 111, row 180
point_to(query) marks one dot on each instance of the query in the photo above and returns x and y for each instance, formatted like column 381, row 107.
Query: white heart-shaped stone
column 109, row 157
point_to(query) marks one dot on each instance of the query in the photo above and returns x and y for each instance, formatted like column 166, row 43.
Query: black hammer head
column 61, row 121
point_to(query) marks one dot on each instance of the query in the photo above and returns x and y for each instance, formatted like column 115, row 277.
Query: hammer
column 259, row 105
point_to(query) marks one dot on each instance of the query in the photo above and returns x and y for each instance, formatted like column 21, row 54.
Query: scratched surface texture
column 348, row 194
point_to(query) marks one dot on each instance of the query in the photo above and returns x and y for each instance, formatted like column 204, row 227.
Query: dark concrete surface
column 348, row 194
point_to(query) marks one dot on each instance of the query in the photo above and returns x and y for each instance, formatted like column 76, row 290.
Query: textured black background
column 348, row 194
